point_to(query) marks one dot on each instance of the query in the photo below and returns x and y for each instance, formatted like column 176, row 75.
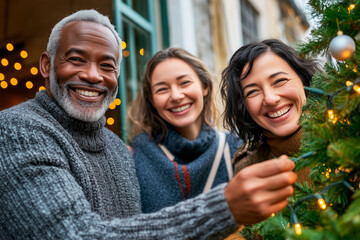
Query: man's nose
column 91, row 73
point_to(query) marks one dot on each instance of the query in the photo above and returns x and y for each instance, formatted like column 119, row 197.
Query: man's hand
column 260, row 190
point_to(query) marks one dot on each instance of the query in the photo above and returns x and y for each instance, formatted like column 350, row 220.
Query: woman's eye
column 281, row 81
column 251, row 93
column 160, row 90
column 185, row 82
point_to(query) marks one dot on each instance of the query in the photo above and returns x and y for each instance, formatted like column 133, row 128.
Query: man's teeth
column 179, row 109
column 279, row 113
column 87, row 93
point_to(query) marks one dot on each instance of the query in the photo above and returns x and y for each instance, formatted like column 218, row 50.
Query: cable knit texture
column 156, row 173
column 61, row 178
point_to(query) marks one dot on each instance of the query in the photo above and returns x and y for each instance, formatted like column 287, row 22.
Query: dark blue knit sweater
column 159, row 187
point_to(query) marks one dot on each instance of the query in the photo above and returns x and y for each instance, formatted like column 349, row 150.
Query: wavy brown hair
column 144, row 117
column 236, row 117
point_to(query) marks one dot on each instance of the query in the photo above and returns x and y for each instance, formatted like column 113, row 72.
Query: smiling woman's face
column 274, row 94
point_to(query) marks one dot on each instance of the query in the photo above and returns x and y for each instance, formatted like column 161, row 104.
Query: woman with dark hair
column 263, row 88
column 178, row 153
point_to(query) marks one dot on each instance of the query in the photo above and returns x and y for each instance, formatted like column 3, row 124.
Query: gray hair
column 82, row 15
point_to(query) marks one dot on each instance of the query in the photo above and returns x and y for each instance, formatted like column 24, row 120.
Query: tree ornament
column 342, row 47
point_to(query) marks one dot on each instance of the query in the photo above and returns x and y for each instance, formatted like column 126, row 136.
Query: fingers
column 270, row 167
column 281, row 180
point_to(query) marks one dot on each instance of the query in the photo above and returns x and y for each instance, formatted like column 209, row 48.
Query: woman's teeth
column 179, row 109
column 279, row 113
column 87, row 93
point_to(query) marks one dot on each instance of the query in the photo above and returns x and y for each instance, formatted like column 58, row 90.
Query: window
column 249, row 20
column 135, row 23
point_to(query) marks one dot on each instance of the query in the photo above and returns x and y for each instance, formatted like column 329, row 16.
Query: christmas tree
column 328, row 206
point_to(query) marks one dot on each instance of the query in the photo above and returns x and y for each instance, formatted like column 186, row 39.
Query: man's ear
column 44, row 65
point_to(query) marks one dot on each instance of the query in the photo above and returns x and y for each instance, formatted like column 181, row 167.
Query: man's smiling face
column 83, row 78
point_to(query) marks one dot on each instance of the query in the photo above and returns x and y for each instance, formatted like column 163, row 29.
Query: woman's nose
column 271, row 97
column 176, row 94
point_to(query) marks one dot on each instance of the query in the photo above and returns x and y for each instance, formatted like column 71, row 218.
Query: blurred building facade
column 210, row 29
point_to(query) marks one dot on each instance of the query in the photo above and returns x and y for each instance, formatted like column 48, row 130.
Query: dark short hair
column 236, row 117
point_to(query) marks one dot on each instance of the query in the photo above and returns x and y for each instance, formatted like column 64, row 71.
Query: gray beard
column 88, row 111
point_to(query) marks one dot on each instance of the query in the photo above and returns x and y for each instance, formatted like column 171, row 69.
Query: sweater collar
column 284, row 145
column 89, row 135
column 187, row 149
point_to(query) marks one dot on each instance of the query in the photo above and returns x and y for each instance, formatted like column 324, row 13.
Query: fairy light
column 29, row 84
column 123, row 45
column 9, row 47
column 3, row 84
column 355, row 87
column 351, row 7
column 23, row 54
column 331, row 114
column 117, row 101
column 34, row 71
column 4, row 62
column 273, row 214
column 41, row 88
column 322, row 203
column 126, row 53
column 2, row 76
column 297, row 227
column 110, row 121
column 141, row 52
column 112, row 106
column 17, row 66
column 13, row 81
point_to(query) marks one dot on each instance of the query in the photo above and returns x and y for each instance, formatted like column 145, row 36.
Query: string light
column 126, row 53
column 3, row 84
column 331, row 114
column 355, row 87
column 2, row 76
column 29, row 84
column 23, row 54
column 123, row 45
column 41, row 88
column 110, row 121
column 297, row 227
column 141, row 52
column 4, row 62
column 9, row 47
column 34, row 71
column 321, row 201
column 351, row 7
column 112, row 106
column 13, row 81
column 273, row 214
column 17, row 66
column 117, row 101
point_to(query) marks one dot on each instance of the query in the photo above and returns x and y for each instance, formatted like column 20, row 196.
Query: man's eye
column 107, row 66
column 75, row 59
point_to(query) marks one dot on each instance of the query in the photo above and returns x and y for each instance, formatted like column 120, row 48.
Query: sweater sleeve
column 41, row 199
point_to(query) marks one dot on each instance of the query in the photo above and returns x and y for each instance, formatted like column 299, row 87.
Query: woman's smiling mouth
column 279, row 113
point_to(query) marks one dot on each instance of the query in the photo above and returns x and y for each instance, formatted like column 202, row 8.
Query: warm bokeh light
column 29, row 84
column 123, row 45
column 9, row 47
column 117, row 101
column 23, row 54
column 41, row 88
column 17, row 66
column 2, row 76
column 298, row 229
column 322, row 203
column 112, row 106
column 4, row 62
column 110, row 121
column 273, row 214
column 354, row 70
column 126, row 53
column 349, row 83
column 357, row 88
column 331, row 114
column 13, row 81
column 3, row 84
column 351, row 7
column 141, row 52
column 34, row 71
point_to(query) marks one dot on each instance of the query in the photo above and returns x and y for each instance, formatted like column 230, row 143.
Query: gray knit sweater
column 61, row 178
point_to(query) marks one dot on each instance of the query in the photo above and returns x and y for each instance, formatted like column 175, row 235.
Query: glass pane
column 136, row 54
column 140, row 6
